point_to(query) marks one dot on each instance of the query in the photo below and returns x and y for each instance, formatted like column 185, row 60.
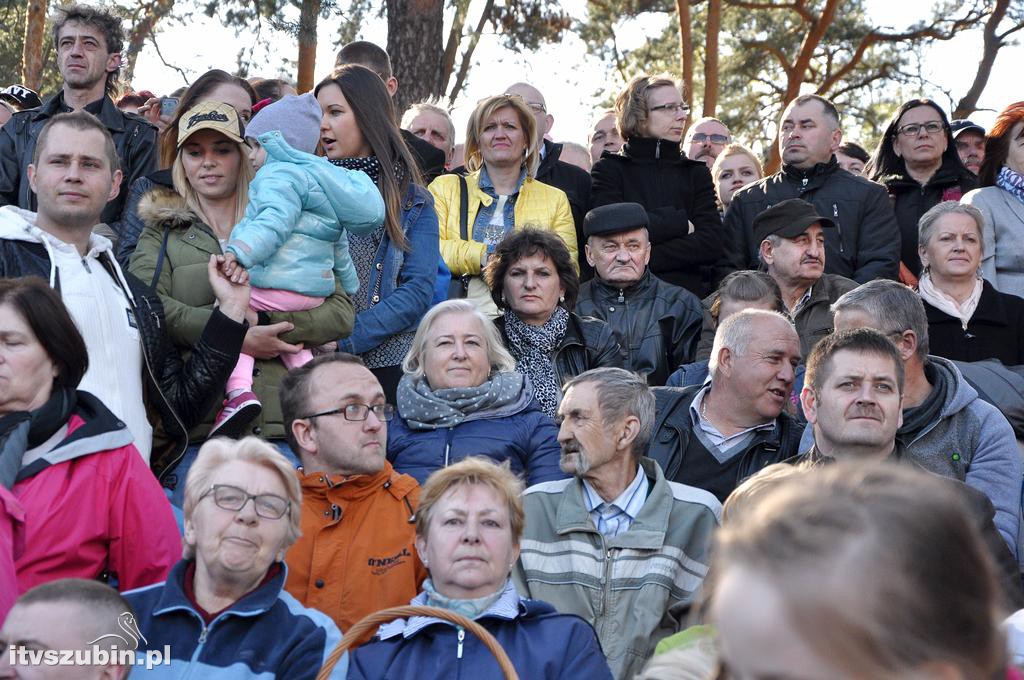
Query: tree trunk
column 35, row 36
column 308, row 17
column 140, row 32
column 415, row 46
column 711, row 57
column 451, row 47
column 686, row 49
column 467, row 56
column 991, row 46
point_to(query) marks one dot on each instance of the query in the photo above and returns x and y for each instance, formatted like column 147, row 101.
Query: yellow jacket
column 538, row 205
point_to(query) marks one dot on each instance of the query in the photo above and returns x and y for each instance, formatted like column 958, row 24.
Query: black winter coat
column 910, row 201
column 676, row 192
column 575, row 182
column 588, row 343
column 428, row 157
column 995, row 331
column 134, row 139
column 179, row 393
column 673, row 428
column 656, row 323
column 864, row 246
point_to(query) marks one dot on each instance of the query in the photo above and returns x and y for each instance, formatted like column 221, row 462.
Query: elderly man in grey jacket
column 617, row 544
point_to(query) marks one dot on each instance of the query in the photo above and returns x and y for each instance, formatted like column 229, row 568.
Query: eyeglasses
column 684, row 108
column 357, row 412
column 914, row 129
column 267, row 505
column 701, row 137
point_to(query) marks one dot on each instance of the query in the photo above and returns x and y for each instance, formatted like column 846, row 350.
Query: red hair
column 997, row 143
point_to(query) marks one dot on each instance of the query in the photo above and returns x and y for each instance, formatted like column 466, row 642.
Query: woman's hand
column 151, row 112
column 262, row 342
column 232, row 293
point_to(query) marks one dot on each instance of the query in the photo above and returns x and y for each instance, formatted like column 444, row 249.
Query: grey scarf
column 534, row 347
column 425, row 409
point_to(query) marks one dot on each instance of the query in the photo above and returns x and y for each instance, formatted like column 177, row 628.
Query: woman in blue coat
column 461, row 396
column 396, row 263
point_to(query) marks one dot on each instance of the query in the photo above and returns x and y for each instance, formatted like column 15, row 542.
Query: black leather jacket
column 673, row 427
column 134, row 139
column 177, row 393
column 588, row 343
column 657, row 324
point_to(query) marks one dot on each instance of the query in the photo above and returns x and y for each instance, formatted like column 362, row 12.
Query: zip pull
column 462, row 636
column 202, row 635
column 803, row 183
column 839, row 227
column 85, row 263
column 621, row 297
column 657, row 150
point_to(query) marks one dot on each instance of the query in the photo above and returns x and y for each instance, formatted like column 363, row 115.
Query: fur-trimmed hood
column 164, row 207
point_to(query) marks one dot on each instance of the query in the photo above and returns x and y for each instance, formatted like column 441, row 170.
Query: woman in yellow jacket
column 502, row 157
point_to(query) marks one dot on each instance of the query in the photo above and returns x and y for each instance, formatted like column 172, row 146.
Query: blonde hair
column 497, row 356
column 474, row 470
column 631, row 110
column 218, row 451
column 487, row 108
column 736, row 150
column 187, row 192
column 878, row 566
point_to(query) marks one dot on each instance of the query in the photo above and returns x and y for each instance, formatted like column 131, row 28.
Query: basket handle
column 356, row 635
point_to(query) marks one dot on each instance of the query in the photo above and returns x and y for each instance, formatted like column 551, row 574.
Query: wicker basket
column 358, row 634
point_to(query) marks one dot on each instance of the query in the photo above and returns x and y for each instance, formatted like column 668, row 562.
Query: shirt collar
column 698, row 418
column 630, row 501
column 485, row 184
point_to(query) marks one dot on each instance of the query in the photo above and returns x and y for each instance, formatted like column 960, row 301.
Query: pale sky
column 572, row 81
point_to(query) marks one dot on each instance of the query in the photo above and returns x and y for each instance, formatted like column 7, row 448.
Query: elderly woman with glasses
column 502, row 157
column 917, row 162
column 650, row 169
column 468, row 529
column 462, row 396
column 223, row 608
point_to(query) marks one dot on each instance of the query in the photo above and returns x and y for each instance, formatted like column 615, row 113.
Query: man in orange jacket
column 357, row 551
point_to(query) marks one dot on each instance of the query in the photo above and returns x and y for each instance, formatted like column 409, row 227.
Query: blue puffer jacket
column 541, row 643
column 267, row 634
column 293, row 234
column 520, row 433
column 406, row 279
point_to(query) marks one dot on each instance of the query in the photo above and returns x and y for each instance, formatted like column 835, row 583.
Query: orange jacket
column 357, row 552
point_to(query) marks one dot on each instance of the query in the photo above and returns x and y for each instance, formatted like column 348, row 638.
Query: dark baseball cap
column 21, row 97
column 615, row 218
column 788, row 219
column 962, row 125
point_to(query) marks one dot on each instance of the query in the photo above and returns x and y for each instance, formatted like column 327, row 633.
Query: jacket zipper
column 448, row 445
column 839, row 226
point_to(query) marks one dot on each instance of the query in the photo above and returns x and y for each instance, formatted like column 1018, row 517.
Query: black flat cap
column 788, row 219
column 615, row 218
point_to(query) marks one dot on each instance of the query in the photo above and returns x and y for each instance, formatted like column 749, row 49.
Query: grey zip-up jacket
column 635, row 588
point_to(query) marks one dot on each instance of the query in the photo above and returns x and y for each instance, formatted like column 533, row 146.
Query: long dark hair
column 997, row 143
column 201, row 88
column 375, row 115
column 884, row 161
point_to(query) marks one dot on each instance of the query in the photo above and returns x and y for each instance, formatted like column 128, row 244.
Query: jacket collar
column 648, row 529
column 638, row 289
column 947, row 175
column 348, row 487
column 509, row 606
column 816, row 174
column 251, row 604
column 109, row 114
column 649, row 148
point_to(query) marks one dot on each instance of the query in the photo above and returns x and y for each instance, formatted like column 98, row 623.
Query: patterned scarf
column 1012, row 182
column 371, row 166
column 427, row 409
column 533, row 347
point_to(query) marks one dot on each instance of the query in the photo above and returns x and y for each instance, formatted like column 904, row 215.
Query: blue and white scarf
column 1011, row 181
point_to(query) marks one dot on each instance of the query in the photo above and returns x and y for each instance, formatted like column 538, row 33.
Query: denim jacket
column 403, row 282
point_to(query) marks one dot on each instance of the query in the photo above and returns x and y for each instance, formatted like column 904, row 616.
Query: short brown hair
column 861, row 340
column 44, row 312
column 631, row 110
column 527, row 242
column 484, row 110
column 79, row 120
column 106, row 22
column 470, row 471
column 296, row 389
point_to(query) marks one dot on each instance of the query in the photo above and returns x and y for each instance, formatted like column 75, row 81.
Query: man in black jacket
column 430, row 159
column 656, row 323
column 88, row 41
column 865, row 244
column 133, row 366
column 574, row 181
column 713, row 436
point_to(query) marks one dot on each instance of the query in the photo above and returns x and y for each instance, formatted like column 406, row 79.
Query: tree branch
column 467, row 56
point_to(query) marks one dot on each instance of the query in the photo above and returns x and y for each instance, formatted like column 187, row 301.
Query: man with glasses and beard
column 617, row 544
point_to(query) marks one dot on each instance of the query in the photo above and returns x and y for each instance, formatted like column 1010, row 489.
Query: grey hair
column 892, row 306
column 497, row 356
column 621, row 394
column 736, row 333
column 431, row 106
column 926, row 225
column 776, row 241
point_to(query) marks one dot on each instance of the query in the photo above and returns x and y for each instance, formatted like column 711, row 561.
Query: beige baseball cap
column 211, row 116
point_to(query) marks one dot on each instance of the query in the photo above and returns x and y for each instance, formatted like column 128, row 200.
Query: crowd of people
column 639, row 410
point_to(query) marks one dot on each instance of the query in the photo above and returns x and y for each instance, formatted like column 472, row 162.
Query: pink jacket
column 92, row 506
column 11, row 545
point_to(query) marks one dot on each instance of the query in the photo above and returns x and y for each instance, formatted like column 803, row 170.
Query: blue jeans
column 174, row 482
